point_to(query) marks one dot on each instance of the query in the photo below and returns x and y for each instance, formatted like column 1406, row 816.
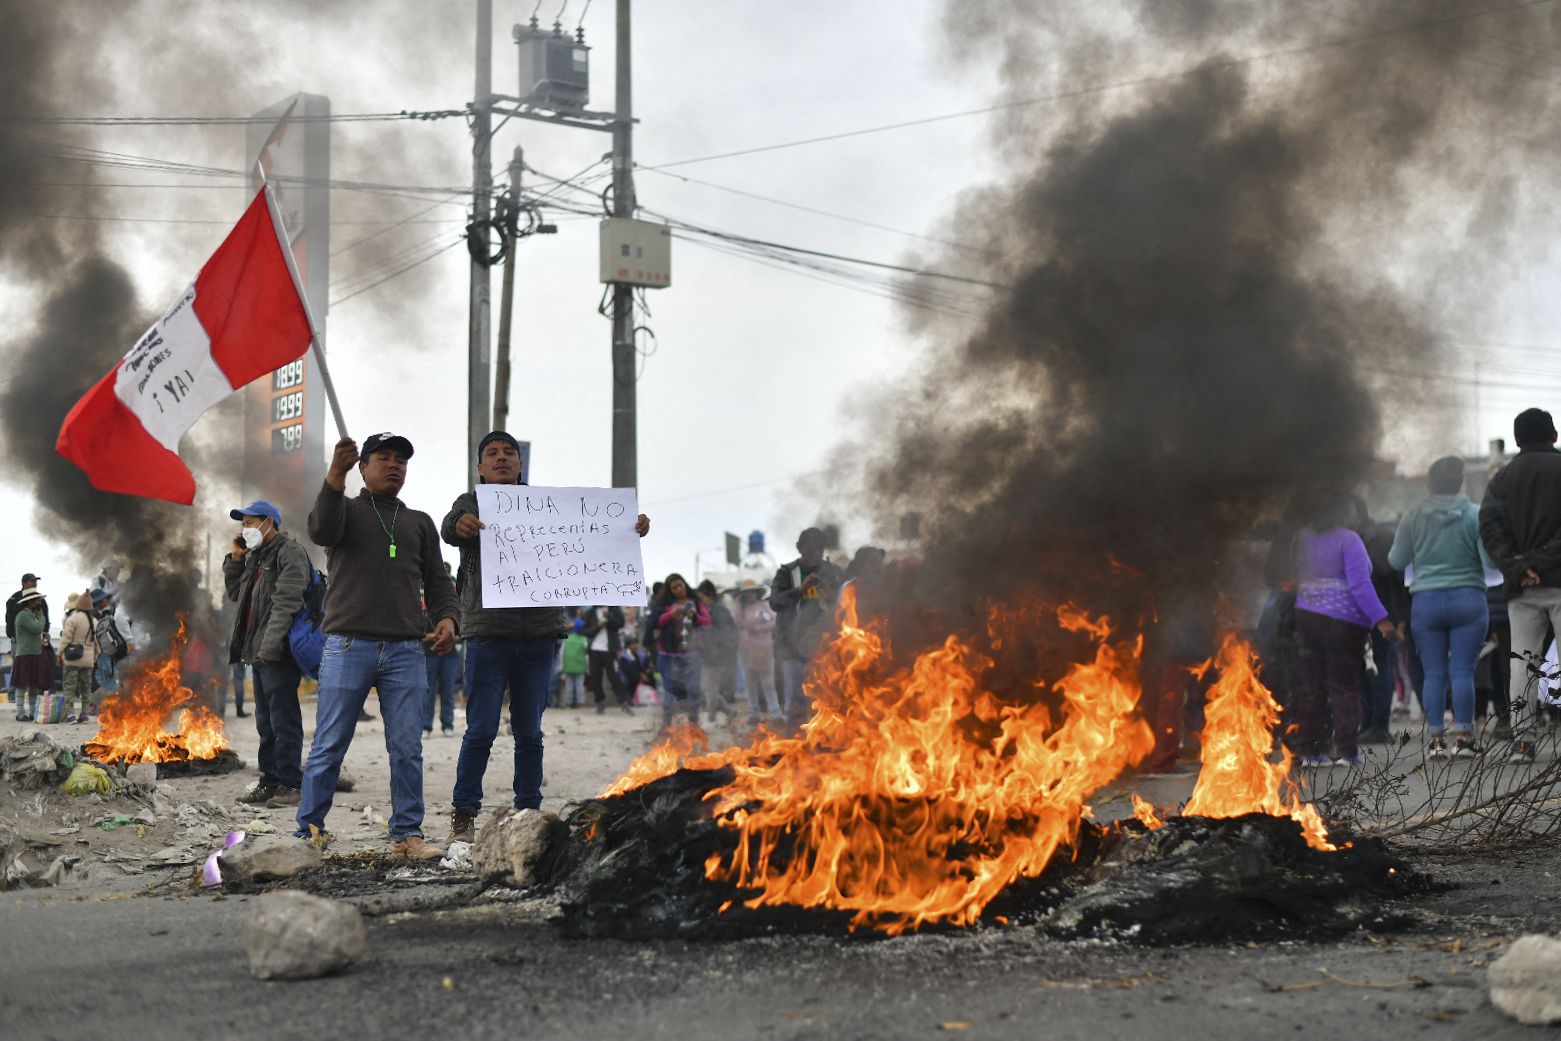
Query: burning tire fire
column 132, row 724
column 917, row 798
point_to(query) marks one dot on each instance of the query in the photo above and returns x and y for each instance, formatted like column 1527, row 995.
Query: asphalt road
column 85, row 966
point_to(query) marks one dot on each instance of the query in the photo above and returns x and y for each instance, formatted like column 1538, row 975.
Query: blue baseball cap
column 258, row 508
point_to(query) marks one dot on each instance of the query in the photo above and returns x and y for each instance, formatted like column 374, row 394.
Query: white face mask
column 252, row 537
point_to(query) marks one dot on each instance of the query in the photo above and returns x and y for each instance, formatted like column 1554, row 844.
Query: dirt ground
column 129, row 948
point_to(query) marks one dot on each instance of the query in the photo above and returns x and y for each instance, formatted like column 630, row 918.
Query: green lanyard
column 390, row 530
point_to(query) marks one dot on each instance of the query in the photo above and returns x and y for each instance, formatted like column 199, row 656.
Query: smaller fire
column 684, row 745
column 132, row 724
column 1237, row 775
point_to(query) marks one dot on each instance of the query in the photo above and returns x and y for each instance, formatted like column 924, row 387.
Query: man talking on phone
column 267, row 574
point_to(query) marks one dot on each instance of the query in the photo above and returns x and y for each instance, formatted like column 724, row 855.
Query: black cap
column 375, row 442
column 497, row 435
column 29, row 577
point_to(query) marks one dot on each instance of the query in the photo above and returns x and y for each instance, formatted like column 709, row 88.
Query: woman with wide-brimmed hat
column 32, row 669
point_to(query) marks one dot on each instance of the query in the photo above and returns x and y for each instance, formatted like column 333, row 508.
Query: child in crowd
column 575, row 664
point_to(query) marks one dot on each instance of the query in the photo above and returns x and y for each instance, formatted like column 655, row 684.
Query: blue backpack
column 305, row 638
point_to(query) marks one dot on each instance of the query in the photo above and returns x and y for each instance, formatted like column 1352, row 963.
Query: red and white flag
column 242, row 317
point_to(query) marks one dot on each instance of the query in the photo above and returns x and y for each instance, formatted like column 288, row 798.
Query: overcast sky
column 755, row 368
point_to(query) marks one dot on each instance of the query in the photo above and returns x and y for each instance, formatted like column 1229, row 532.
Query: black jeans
column 603, row 663
column 1333, row 663
column 280, row 722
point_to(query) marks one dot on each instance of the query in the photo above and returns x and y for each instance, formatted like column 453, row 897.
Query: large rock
column 295, row 936
column 1526, row 981
column 512, row 847
column 262, row 858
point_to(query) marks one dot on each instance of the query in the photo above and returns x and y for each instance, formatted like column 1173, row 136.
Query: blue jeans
column 526, row 668
column 107, row 680
column 280, row 721
column 1450, row 626
column 1377, row 691
column 797, row 705
column 349, row 667
column 680, row 691
column 237, row 671
column 441, row 687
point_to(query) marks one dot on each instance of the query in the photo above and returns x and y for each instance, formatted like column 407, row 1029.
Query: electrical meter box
column 555, row 70
column 636, row 253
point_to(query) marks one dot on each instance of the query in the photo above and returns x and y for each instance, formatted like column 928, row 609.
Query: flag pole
column 303, row 297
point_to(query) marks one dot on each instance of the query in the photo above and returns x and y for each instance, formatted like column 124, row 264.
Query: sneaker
column 1522, row 752
column 283, row 797
column 1437, row 749
column 448, row 731
column 628, row 709
column 1465, row 748
column 414, row 848
column 428, row 731
column 241, row 714
column 601, row 709
column 1503, row 731
column 1316, row 760
column 463, row 826
column 1350, row 760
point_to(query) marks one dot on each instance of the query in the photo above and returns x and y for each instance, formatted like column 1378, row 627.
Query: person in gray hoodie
column 1440, row 537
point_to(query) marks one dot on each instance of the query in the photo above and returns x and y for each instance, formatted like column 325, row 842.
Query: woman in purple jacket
column 1335, row 607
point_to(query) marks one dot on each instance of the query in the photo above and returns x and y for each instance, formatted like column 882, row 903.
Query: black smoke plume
column 86, row 314
column 79, row 307
column 1208, row 272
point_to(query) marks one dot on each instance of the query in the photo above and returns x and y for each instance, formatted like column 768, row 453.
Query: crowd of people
column 1360, row 616
column 63, row 678
column 1452, row 610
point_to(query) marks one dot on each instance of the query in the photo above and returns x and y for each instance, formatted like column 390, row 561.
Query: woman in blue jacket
column 1440, row 536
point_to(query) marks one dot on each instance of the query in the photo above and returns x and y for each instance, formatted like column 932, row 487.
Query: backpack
column 305, row 638
column 111, row 642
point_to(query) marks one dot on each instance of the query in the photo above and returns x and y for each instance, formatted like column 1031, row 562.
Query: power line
column 824, row 213
column 189, row 220
column 1101, row 88
column 395, row 274
column 161, row 121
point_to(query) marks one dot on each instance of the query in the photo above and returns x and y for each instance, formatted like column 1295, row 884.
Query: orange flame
column 1238, row 776
column 131, row 723
column 666, row 757
column 917, row 797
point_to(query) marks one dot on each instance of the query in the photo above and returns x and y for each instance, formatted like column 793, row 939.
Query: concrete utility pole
column 479, row 331
column 625, row 464
column 507, row 299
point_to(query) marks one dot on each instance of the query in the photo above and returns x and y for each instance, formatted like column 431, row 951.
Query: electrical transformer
column 555, row 69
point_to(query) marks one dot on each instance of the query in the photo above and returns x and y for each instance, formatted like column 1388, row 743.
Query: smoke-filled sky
column 761, row 373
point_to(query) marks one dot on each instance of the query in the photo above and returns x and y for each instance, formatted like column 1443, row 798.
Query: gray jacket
column 268, row 586
column 508, row 623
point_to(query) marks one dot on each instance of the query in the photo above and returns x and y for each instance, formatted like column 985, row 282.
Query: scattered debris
column 86, row 778
column 1526, row 981
column 32, row 759
column 293, row 935
column 458, row 857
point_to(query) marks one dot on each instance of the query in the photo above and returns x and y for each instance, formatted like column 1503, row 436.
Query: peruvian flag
column 242, row 317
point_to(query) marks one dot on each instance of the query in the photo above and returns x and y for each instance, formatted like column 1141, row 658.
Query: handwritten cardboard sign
column 559, row 547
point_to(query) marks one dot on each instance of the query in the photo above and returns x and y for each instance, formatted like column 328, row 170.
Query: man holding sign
column 524, row 553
